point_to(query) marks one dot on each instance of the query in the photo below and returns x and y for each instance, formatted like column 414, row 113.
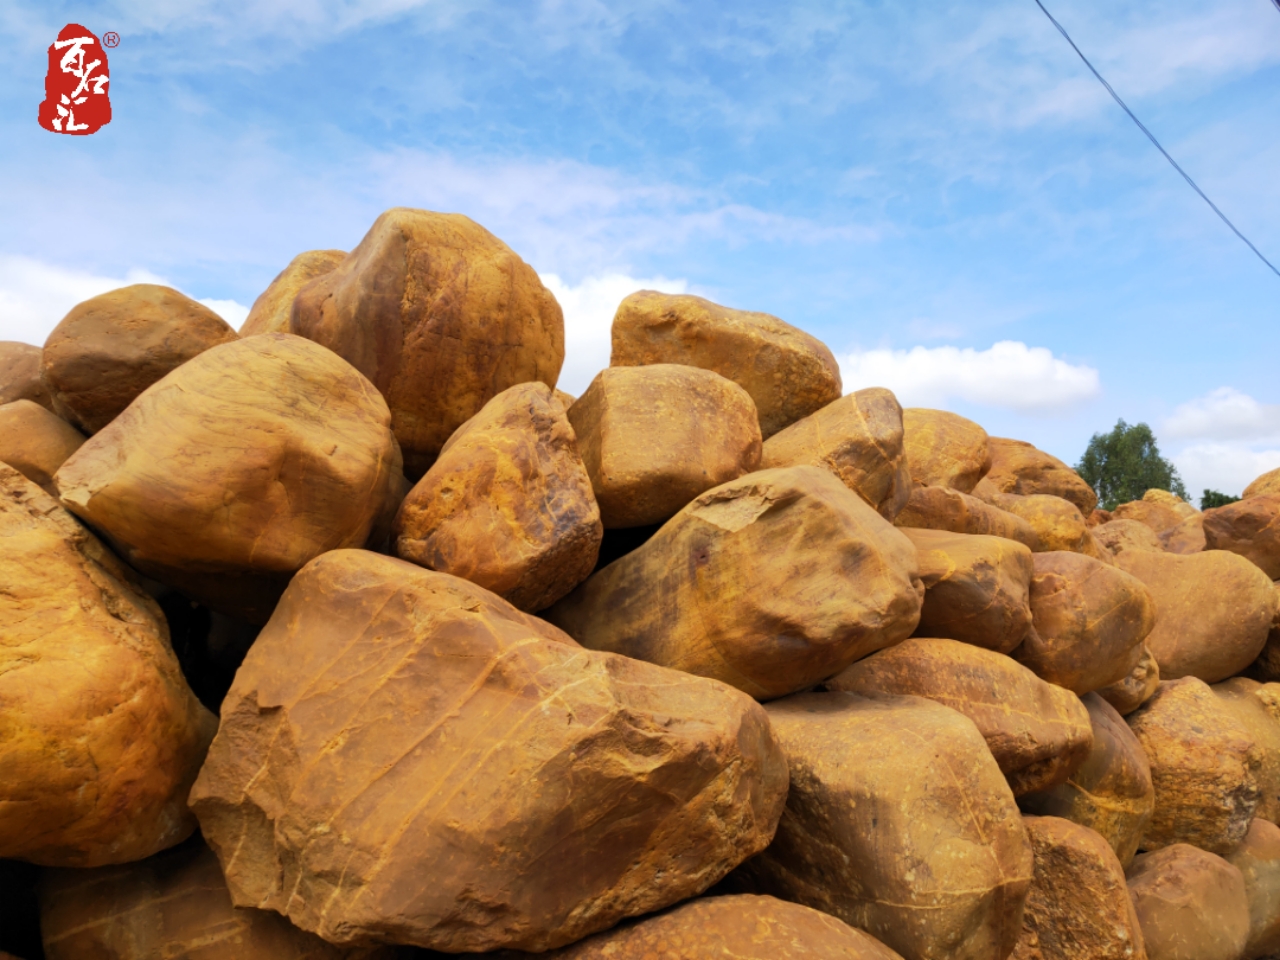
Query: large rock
column 440, row 315
column 1213, row 611
column 270, row 313
column 1258, row 860
column 1058, row 523
column 1018, row 467
column 110, row 348
column 20, row 374
column 1266, row 668
column 788, row 373
column 1257, row 708
column 1249, row 528
column 945, row 449
column 1269, row 482
column 1038, row 733
column 1204, row 766
column 934, row 866
column 1089, row 622
column 391, row 717
column 654, row 437
column 1137, row 688
column 1158, row 510
column 771, row 583
column 859, row 439
column 508, row 505
column 1191, row 904
column 1121, row 535
column 1111, row 792
column 36, row 442
column 227, row 476
column 937, row 508
column 100, row 737
column 1186, row 537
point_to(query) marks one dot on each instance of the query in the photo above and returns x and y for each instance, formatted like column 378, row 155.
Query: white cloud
column 229, row 310
column 1010, row 375
column 1226, row 467
column 1224, row 414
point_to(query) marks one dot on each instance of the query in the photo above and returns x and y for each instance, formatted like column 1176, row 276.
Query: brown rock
column 859, row 439
column 1204, row 766
column 1038, row 733
column 1258, row 860
column 565, row 400
column 1111, row 791
column 1057, row 523
column 1133, row 691
column 788, row 373
column 390, row 717
column 1158, row 510
column 508, row 505
column 111, row 347
column 1121, row 535
column 271, row 311
column 1249, row 528
column 100, row 737
column 1186, row 537
column 937, row 508
column 945, row 449
column 771, row 583
column 20, row 374
column 1257, row 708
column 441, row 316
column 1191, row 904
column 1078, row 907
column 232, row 472
column 1213, row 611
column 1098, row 517
column 655, row 437
column 1266, row 668
column 933, row 866
column 1018, row 467
column 1267, row 483
column 36, row 442
column 1089, row 622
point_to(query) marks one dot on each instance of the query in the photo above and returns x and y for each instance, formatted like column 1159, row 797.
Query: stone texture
column 1258, row 860
column 1267, row 483
column 1191, row 904
column 937, row 508
column 1249, row 528
column 1186, row 537
column 945, row 449
column 508, row 505
column 1204, row 766
column 1058, row 523
column 36, row 442
column 227, row 476
column 97, row 718
column 859, row 439
column 1266, row 668
column 1256, row 706
column 441, row 316
column 771, row 583
column 1018, row 467
column 788, row 373
column 1158, row 511
column 1133, row 691
column 111, row 347
column 271, row 311
column 1121, row 535
column 1111, row 792
column 1089, row 622
column 933, row 866
column 1038, row 733
column 20, row 374
column 654, row 437
column 391, row 717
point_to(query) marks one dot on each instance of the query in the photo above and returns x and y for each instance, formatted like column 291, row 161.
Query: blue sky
column 940, row 191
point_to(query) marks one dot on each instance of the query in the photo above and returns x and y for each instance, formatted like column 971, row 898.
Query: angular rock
column 1057, row 523
column 1269, row 482
column 1186, row 537
column 1038, row 733
column 508, row 505
column 36, row 442
column 20, row 374
column 1133, row 691
column 859, row 439
column 771, row 583
column 1204, row 766
column 1120, row 535
column 788, row 373
column 231, row 473
column 271, row 311
column 440, row 315
column 937, row 508
column 390, row 717
column 1158, row 510
column 654, row 437
column 1018, row 467
column 1257, row 708
column 1191, row 904
column 1258, row 860
column 97, row 718
column 111, row 347
column 945, row 449
column 1249, row 528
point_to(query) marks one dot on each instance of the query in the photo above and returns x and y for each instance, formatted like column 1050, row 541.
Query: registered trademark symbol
column 111, row 39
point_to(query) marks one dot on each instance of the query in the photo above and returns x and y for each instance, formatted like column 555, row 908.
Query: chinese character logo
column 75, row 88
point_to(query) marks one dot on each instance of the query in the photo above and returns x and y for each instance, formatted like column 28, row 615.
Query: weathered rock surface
column 36, row 442
column 1038, row 733
column 1204, row 766
column 772, row 583
column 1249, row 528
column 441, row 316
column 1120, row 535
column 390, row 717
column 97, row 719
column 508, row 505
column 271, row 311
column 1257, row 708
column 1058, row 523
column 1158, row 510
column 788, row 373
column 1018, row 467
column 1133, row 691
column 227, row 476
column 945, row 449
column 654, row 437
column 20, row 374
column 1266, row 668
column 1258, row 860
column 1267, row 483
column 1191, row 904
column 111, row 347
column 1186, row 537
column 937, row 508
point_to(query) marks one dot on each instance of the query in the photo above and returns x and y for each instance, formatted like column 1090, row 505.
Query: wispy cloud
column 1224, row 414
column 1226, row 467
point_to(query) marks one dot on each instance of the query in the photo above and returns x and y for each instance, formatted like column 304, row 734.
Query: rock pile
column 714, row 661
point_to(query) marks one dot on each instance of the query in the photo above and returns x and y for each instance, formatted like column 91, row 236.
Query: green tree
column 1124, row 464
column 1212, row 498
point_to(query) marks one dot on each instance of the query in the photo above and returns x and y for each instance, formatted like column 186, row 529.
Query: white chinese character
column 73, row 63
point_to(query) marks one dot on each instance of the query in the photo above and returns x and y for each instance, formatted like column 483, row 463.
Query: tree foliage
column 1213, row 498
column 1124, row 464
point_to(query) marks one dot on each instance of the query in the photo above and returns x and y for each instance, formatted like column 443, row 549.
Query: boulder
column 1018, row 467
column 228, row 475
column 508, row 505
column 36, row 442
column 100, row 737
column 933, row 866
column 1078, row 907
column 859, row 439
column 1111, row 792
column 944, row 449
column 565, row 400
column 1204, row 767
column 788, row 373
column 111, row 347
column 1133, row 691
column 390, row 717
column 1267, row 483
column 1058, row 524
column 1089, row 622
column 1158, row 511
column 1191, row 904
column 1186, row 537
column 1266, row 667
column 771, row 583
column 1249, row 528
column 1256, row 706
column 654, row 437
column 1038, row 733
column 1121, row 535
column 1258, row 860
column 271, row 311
column 1098, row 517
column 937, row 508
column 440, row 315
column 20, row 374
column 1213, row 611
column 976, row 588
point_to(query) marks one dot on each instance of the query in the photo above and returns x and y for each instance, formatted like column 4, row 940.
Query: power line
column 1152, row 138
